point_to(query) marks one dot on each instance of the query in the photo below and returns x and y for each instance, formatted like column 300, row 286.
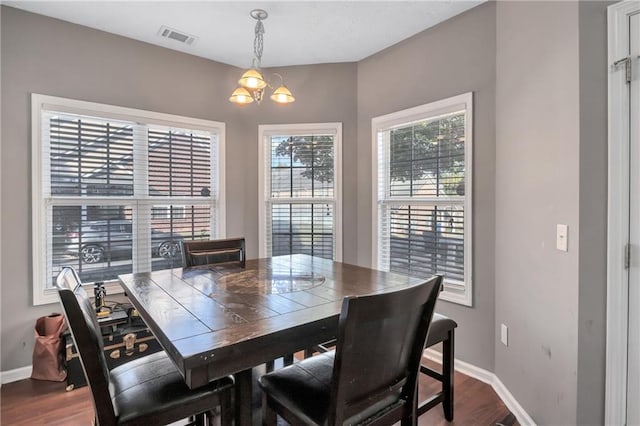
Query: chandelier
column 252, row 83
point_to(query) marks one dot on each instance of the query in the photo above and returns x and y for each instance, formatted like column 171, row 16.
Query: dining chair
column 205, row 252
column 441, row 330
column 371, row 376
column 147, row 390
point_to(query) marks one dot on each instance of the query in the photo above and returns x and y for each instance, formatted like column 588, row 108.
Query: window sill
column 456, row 294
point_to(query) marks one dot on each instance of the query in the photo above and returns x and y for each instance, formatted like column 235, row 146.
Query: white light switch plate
column 562, row 236
column 504, row 335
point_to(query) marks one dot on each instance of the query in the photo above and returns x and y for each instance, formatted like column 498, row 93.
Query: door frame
column 618, row 215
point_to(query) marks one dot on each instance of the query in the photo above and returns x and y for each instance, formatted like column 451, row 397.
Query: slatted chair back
column 206, row 252
column 81, row 319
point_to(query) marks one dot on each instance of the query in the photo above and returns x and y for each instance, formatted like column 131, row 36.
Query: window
column 422, row 193
column 116, row 190
column 300, row 191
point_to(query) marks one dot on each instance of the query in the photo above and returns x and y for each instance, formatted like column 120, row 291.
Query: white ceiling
column 296, row 32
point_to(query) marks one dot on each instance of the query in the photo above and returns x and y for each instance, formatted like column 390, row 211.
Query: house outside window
column 116, row 190
column 300, row 207
column 422, row 197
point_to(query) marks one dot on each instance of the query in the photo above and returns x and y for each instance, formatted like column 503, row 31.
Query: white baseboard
column 491, row 379
column 15, row 374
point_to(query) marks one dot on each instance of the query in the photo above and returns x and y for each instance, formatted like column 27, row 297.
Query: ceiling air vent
column 176, row 35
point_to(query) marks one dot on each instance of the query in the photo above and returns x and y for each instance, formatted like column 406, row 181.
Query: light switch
column 562, row 236
column 504, row 335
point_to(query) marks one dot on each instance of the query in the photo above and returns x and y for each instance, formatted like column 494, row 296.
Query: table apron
column 245, row 355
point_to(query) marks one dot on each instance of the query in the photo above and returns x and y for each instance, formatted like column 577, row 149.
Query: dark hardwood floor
column 32, row 402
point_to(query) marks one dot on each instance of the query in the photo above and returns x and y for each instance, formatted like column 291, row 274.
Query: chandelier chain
column 258, row 42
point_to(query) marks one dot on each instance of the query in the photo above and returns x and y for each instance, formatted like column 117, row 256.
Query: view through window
column 300, row 212
column 422, row 204
column 118, row 196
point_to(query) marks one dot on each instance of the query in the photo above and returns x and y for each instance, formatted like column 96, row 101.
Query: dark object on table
column 149, row 390
column 372, row 374
column 99, row 294
column 213, row 251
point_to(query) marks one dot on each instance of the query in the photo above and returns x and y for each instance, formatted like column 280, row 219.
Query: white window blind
column 422, row 193
column 300, row 209
column 116, row 190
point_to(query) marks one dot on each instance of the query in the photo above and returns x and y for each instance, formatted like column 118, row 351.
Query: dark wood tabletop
column 217, row 320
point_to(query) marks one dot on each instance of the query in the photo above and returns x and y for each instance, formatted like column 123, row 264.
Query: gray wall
column 551, row 167
column 593, row 213
column 454, row 57
column 537, row 187
column 48, row 56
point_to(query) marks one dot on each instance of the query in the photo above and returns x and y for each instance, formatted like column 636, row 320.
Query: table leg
column 244, row 393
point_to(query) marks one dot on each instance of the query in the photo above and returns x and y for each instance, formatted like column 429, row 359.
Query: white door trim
column 618, row 215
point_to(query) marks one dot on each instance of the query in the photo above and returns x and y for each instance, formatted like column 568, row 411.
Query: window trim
column 42, row 103
column 461, row 294
column 268, row 130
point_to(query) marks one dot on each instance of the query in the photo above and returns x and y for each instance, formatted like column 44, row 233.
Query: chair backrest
column 206, row 252
column 380, row 343
column 81, row 318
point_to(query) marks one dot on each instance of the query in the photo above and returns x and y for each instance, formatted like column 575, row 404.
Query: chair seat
column 151, row 390
column 439, row 329
column 303, row 387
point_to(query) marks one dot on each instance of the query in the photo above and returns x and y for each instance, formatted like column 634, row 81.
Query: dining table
column 222, row 319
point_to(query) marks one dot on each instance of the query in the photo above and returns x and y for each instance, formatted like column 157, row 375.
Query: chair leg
column 243, row 395
column 226, row 412
column 447, row 375
column 269, row 416
column 211, row 415
column 287, row 359
column 200, row 419
column 270, row 366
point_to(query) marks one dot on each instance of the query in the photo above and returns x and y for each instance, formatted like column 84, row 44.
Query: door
column 633, row 354
column 623, row 221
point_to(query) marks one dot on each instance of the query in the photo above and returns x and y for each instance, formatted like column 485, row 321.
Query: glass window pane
column 302, row 229
column 169, row 229
column 179, row 163
column 427, row 158
column 427, row 240
column 96, row 240
column 90, row 156
column 302, row 166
